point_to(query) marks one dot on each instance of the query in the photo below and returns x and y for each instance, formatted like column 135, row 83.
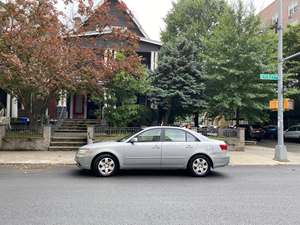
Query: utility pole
column 280, row 151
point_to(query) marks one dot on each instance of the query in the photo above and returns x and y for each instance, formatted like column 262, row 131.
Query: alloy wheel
column 106, row 166
column 200, row 166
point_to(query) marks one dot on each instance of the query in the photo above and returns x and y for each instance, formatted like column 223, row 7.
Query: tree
column 292, row 67
column 193, row 19
column 237, row 52
column 122, row 98
column 178, row 81
column 40, row 56
column 292, row 70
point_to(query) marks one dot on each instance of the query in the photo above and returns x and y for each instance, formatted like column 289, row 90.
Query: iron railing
column 218, row 132
column 60, row 119
column 24, row 131
column 115, row 131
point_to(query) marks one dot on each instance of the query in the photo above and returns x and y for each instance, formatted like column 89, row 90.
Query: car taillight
column 223, row 147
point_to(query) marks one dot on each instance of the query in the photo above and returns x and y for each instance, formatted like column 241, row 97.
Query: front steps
column 71, row 135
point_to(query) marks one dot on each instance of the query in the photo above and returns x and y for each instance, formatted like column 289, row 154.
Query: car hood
column 103, row 144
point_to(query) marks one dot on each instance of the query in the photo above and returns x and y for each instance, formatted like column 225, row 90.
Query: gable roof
column 131, row 15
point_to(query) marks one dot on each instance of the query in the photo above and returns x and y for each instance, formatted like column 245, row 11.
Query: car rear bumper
column 221, row 161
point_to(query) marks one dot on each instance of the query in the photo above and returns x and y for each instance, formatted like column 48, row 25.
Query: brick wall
column 271, row 11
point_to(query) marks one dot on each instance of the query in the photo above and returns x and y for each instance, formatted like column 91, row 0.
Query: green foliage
column 292, row 71
column 292, row 67
column 237, row 52
column 193, row 19
column 178, row 81
column 121, row 98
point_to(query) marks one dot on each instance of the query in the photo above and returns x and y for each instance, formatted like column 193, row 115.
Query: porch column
column 71, row 106
column 156, row 60
column 152, row 61
column 8, row 105
column 14, row 107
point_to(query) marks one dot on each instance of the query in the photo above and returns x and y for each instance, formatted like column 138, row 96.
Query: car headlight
column 84, row 152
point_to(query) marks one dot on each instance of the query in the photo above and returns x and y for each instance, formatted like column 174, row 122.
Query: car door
column 291, row 132
column 145, row 152
column 297, row 133
column 177, row 147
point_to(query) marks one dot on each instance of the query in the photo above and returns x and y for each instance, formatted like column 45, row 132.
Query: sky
column 150, row 13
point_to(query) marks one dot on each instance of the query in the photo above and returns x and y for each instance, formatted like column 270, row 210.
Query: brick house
column 291, row 13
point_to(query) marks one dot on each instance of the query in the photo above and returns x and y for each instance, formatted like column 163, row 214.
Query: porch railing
column 60, row 119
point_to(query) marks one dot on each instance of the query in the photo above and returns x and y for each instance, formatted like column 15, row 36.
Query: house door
column 78, row 106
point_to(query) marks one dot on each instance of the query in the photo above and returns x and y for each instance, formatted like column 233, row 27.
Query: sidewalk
column 252, row 156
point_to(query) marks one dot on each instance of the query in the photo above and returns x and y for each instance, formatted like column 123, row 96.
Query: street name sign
column 266, row 76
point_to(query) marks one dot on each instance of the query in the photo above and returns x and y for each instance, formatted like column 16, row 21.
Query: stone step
column 63, row 148
column 68, row 143
column 71, row 134
column 68, row 140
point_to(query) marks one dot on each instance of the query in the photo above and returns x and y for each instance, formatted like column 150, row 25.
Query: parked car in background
column 253, row 132
column 155, row 148
column 271, row 131
column 293, row 133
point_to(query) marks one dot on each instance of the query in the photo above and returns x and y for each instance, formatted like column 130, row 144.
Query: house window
column 293, row 7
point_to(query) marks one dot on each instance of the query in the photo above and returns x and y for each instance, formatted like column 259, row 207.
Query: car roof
column 166, row 127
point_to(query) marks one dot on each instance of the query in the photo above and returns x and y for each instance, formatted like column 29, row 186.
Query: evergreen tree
column 178, row 81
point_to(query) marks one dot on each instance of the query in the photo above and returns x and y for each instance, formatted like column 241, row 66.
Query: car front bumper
column 83, row 162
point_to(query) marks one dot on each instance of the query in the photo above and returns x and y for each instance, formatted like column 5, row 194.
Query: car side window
column 150, row 136
column 298, row 128
column 174, row 135
column 191, row 138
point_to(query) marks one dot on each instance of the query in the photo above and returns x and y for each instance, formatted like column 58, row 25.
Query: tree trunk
column 237, row 115
column 196, row 119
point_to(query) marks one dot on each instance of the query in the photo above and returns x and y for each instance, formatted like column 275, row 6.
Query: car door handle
column 189, row 147
column 156, row 147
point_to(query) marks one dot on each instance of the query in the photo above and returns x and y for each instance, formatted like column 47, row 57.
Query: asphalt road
column 68, row 196
column 292, row 146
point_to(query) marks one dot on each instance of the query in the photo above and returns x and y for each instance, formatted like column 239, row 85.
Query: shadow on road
column 147, row 174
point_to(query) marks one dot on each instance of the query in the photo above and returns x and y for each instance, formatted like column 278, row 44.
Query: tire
column 199, row 166
column 105, row 165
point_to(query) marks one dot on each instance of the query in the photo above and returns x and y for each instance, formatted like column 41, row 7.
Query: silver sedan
column 155, row 148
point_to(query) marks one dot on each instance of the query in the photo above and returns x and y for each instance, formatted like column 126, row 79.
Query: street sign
column 268, row 76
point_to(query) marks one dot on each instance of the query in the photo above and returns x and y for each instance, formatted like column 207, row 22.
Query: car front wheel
column 105, row 165
column 199, row 166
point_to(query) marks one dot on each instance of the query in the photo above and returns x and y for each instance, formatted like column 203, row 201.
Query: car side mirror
column 133, row 140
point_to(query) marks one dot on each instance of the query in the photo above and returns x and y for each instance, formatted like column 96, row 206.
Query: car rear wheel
column 105, row 165
column 199, row 166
